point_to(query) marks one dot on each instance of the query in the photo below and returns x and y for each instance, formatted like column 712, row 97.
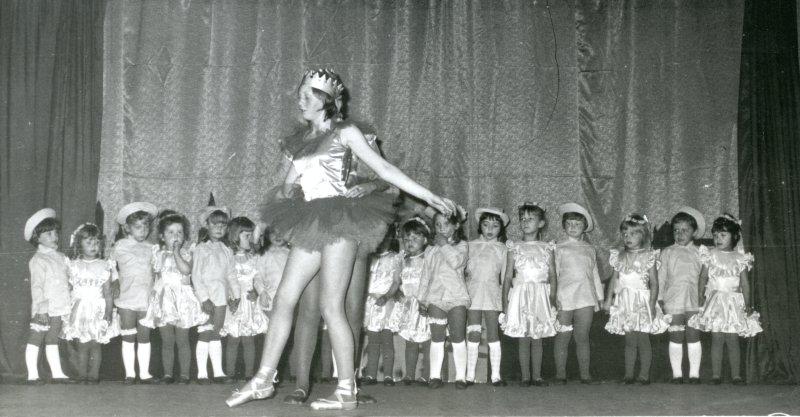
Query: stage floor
column 608, row 398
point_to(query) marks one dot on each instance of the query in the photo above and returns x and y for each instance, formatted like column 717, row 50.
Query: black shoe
column 298, row 397
column 220, row 380
column 676, row 381
column 34, row 382
column 435, row 383
column 461, row 384
column 525, row 383
column 167, row 380
column 561, row 381
column 183, row 380
column 626, row 381
column 365, row 399
column 470, row 383
column 715, row 381
column 64, row 381
column 129, row 380
column 738, row 381
column 695, row 381
column 388, row 381
column 422, row 382
column 93, row 381
column 203, row 381
column 539, row 382
column 499, row 383
column 408, row 381
column 590, row 381
column 83, row 380
column 643, row 381
column 368, row 380
column 148, row 381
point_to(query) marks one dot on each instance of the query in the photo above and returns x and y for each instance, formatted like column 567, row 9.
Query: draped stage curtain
column 50, row 120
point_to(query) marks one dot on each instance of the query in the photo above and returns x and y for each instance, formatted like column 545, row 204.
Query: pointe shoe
column 338, row 401
column 260, row 387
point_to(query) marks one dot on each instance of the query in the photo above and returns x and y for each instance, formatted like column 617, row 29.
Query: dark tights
column 248, row 352
column 89, row 356
column 581, row 320
column 380, row 343
column 718, row 341
column 412, row 351
column 530, row 352
column 171, row 336
column 638, row 341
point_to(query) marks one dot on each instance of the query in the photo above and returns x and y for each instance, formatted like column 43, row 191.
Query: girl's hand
column 107, row 317
column 554, row 301
column 208, row 307
column 252, row 295
column 266, row 302
column 233, row 305
column 398, row 295
column 176, row 247
column 423, row 310
column 41, row 318
column 115, row 289
column 607, row 306
column 361, row 190
column 443, row 205
column 381, row 301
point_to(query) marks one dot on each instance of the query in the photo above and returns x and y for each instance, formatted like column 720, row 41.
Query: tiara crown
column 325, row 80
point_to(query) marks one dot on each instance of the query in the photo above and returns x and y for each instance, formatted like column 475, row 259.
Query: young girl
column 174, row 307
column 384, row 280
column 529, row 312
column 444, row 296
column 91, row 320
column 678, row 277
column 133, row 256
column 248, row 320
column 578, row 290
column 273, row 253
column 634, row 291
column 406, row 319
column 217, row 289
column 727, row 297
column 50, row 303
column 485, row 276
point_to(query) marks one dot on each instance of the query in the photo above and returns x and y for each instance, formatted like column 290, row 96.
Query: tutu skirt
column 408, row 323
column 86, row 321
column 631, row 313
column 529, row 313
column 314, row 224
column 175, row 305
column 376, row 318
column 248, row 320
column 724, row 312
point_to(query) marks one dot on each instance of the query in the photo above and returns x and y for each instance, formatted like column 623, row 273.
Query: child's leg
column 83, row 359
column 184, row 351
column 127, row 322
column 412, row 355
column 231, row 351
column 717, row 344
column 630, row 354
column 167, row 349
column 437, row 321
column 143, row 348
column 456, row 323
column 425, row 348
column 387, row 349
column 201, row 349
column 95, row 358
column 536, row 358
column 249, row 353
column 493, row 339
column 524, row 355
column 51, row 349
column 561, row 347
column 583, row 322
column 35, row 340
column 694, row 350
column 676, row 338
column 645, row 355
column 474, row 319
column 373, row 349
column 732, row 340
column 214, row 344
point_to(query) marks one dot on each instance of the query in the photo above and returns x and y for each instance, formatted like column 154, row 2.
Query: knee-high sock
column 215, row 353
column 32, row 361
column 437, row 356
column 143, row 357
column 129, row 359
column 460, row 360
column 495, row 357
column 695, row 351
column 54, row 360
column 676, row 358
column 201, row 354
column 472, row 359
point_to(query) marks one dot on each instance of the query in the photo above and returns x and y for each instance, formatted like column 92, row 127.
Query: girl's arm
column 109, row 301
column 610, row 290
column 653, row 278
column 354, row 139
column 425, row 278
column 396, row 281
column 455, row 255
column 553, row 273
column 701, row 285
column 509, row 272
column 744, row 285
column 183, row 265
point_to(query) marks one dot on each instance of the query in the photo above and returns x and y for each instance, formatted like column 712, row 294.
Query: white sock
column 695, row 351
column 215, row 353
column 201, row 354
column 54, row 360
column 436, row 358
column 460, row 360
column 676, row 359
column 129, row 359
column 472, row 359
column 143, row 356
column 32, row 361
column 495, row 356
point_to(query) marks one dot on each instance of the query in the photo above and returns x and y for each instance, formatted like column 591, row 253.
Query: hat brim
column 699, row 218
column 35, row 219
column 131, row 208
column 577, row 208
column 497, row 212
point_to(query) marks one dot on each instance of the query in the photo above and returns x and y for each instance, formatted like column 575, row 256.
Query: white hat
column 493, row 210
column 37, row 218
column 131, row 208
column 210, row 209
column 577, row 208
column 698, row 217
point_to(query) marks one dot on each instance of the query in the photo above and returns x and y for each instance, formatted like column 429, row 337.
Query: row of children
column 223, row 285
column 532, row 289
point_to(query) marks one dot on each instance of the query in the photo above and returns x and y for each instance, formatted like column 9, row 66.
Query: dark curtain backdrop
column 769, row 160
column 50, row 120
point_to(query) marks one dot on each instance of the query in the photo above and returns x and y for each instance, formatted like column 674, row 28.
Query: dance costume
column 678, row 277
column 174, row 301
column 134, row 261
column 485, row 266
column 578, row 278
column 443, row 283
column 406, row 319
column 381, row 276
column 631, row 309
column 87, row 321
column 529, row 313
column 249, row 319
column 270, row 266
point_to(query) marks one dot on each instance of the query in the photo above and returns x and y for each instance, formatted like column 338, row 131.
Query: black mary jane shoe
column 525, row 383
column 298, row 397
column 695, row 381
column 67, row 381
column 461, row 384
column 676, row 381
column 499, row 383
column 590, row 381
column 185, row 380
column 167, row 380
column 435, row 383
column 129, row 380
column 220, row 380
column 149, row 381
column 203, row 381
column 539, row 382
column 34, row 382
column 368, row 380
column 738, row 381
column 408, row 382
column 628, row 381
column 715, row 381
column 388, row 381
column 643, row 381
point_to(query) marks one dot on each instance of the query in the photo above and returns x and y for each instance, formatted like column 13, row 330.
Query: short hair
column 637, row 221
column 168, row 219
column 454, row 219
column 491, row 216
column 683, row 217
column 416, row 225
column 727, row 224
column 236, row 226
column 216, row 217
column 44, row 226
column 87, row 231
column 571, row 215
column 532, row 209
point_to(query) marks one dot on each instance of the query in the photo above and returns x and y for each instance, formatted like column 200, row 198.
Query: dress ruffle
column 724, row 312
column 175, row 305
column 248, row 320
column 408, row 323
column 87, row 322
column 631, row 313
column 314, row 224
column 377, row 318
column 529, row 313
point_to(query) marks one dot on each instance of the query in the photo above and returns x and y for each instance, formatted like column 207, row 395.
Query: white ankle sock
column 676, row 359
column 436, row 358
column 472, row 359
column 460, row 360
column 143, row 356
column 495, row 356
column 201, row 354
column 54, row 360
column 32, row 361
column 129, row 359
column 215, row 353
column 695, row 351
